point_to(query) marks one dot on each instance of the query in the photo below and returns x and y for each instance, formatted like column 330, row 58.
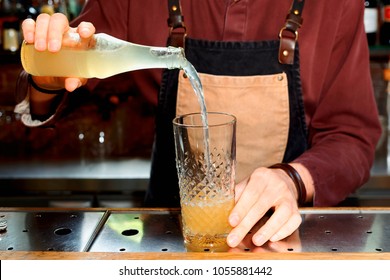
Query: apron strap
column 289, row 33
column 177, row 28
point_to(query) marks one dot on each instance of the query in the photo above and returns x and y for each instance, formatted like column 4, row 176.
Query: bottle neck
column 371, row 4
column 127, row 56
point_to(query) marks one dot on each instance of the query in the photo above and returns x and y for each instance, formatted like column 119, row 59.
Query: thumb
column 71, row 84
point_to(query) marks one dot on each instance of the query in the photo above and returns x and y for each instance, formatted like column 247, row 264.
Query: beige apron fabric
column 261, row 106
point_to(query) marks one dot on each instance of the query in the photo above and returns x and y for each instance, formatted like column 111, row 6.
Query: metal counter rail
column 333, row 230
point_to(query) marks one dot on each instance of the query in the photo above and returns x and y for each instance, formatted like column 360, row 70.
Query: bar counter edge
column 55, row 255
column 44, row 255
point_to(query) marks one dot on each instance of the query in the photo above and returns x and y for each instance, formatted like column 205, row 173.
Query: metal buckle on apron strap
column 177, row 30
column 289, row 33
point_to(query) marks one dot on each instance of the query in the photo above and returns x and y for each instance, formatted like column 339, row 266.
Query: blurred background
column 88, row 158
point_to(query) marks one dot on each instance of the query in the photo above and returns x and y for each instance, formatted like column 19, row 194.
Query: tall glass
column 205, row 162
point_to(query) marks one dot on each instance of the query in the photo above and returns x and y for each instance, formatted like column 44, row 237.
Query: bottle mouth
column 174, row 57
column 166, row 51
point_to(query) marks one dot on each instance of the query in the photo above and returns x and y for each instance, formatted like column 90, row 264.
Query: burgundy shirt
column 341, row 112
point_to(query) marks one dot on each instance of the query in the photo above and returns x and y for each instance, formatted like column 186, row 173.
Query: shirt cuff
column 22, row 96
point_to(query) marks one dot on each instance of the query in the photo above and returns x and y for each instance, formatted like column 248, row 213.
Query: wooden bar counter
column 151, row 233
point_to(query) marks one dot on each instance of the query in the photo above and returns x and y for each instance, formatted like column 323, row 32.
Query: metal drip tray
column 159, row 230
column 345, row 231
column 145, row 231
column 334, row 231
column 321, row 231
column 48, row 231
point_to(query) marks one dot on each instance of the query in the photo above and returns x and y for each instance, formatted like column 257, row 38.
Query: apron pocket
column 261, row 106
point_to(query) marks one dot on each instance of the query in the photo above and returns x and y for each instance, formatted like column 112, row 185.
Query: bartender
column 307, row 118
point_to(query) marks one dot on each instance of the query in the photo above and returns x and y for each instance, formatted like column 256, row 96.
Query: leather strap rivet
column 296, row 12
column 174, row 8
column 285, row 52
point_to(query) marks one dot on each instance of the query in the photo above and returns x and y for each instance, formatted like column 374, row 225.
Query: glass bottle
column 105, row 56
column 11, row 36
column 385, row 28
column 371, row 16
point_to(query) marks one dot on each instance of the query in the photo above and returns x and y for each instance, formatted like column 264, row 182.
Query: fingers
column 72, row 84
column 41, row 33
column 46, row 32
column 246, row 223
column 265, row 189
column 239, row 189
column 284, row 221
column 58, row 25
column 247, row 193
column 86, row 29
column 290, row 226
column 249, row 208
column 28, row 27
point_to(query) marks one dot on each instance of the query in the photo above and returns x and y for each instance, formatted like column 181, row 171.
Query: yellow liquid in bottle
column 100, row 62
